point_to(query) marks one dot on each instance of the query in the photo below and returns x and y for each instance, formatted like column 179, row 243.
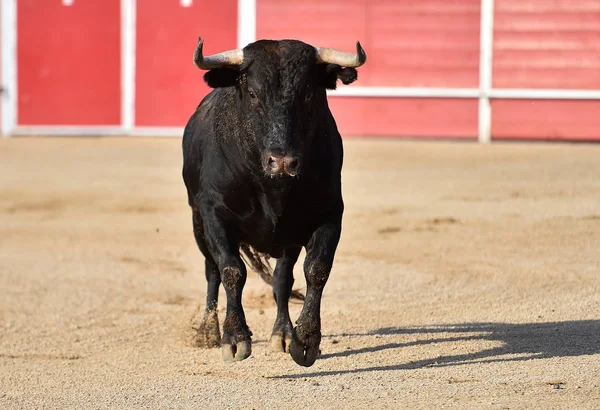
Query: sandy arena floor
column 467, row 276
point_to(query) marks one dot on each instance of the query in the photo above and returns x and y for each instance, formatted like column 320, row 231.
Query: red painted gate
column 69, row 62
column 168, row 85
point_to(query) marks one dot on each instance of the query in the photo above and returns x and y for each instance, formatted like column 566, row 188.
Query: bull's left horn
column 342, row 58
column 225, row 59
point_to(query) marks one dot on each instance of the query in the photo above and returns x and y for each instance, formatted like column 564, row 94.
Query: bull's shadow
column 519, row 342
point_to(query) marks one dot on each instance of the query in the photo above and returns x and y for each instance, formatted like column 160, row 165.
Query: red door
column 69, row 62
column 168, row 85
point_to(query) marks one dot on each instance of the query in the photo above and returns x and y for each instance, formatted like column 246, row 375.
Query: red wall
column 546, row 44
column 69, row 62
column 425, row 43
column 69, row 59
column 168, row 84
column 1, row 45
column 546, row 119
column 418, row 117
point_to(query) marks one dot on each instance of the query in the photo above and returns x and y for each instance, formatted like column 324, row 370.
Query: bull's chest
column 274, row 223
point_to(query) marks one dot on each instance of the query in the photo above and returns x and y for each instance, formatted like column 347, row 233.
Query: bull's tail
column 259, row 262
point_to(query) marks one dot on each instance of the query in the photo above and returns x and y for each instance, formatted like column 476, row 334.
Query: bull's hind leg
column 283, row 280
column 320, row 251
column 208, row 334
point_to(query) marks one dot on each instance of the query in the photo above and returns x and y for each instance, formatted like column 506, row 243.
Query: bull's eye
column 252, row 94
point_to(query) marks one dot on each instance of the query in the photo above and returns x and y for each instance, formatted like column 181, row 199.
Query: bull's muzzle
column 277, row 164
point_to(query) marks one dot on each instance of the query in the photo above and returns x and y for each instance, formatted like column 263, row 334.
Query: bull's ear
column 348, row 75
column 329, row 74
column 222, row 77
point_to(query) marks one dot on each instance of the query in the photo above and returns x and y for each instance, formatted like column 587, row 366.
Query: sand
column 467, row 276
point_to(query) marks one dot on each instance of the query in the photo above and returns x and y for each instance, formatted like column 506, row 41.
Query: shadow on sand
column 527, row 341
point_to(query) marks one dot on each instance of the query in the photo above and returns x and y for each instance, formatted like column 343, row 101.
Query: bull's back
column 198, row 131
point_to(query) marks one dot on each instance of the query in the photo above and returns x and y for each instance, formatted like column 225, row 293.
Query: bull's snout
column 282, row 164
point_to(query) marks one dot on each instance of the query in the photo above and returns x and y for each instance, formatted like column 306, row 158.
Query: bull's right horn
column 341, row 58
column 230, row 58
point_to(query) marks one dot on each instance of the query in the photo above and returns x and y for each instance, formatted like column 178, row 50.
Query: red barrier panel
column 426, row 43
column 412, row 117
column 546, row 119
column 547, row 44
column 1, row 45
column 69, row 62
column 168, row 85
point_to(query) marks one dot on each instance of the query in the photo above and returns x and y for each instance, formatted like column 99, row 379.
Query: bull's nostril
column 273, row 163
column 292, row 164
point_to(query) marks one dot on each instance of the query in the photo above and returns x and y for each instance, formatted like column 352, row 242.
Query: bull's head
column 279, row 89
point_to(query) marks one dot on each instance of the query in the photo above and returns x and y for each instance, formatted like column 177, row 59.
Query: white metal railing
column 8, row 103
column 128, row 36
column 486, row 51
column 522, row 93
column 246, row 22
column 441, row 92
column 433, row 92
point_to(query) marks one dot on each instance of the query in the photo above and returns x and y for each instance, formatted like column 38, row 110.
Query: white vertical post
column 246, row 22
column 128, row 37
column 8, row 97
column 486, row 48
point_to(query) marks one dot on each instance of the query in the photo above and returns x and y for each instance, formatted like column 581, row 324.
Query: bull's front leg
column 320, row 252
column 236, row 342
column 283, row 280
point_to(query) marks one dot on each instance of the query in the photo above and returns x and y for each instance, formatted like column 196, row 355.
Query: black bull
column 262, row 167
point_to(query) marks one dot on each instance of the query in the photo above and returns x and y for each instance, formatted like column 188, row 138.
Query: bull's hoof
column 208, row 335
column 305, row 353
column 236, row 343
column 281, row 338
column 280, row 343
column 236, row 352
column 236, row 346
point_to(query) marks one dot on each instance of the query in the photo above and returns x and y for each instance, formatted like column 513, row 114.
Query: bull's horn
column 224, row 59
column 342, row 58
